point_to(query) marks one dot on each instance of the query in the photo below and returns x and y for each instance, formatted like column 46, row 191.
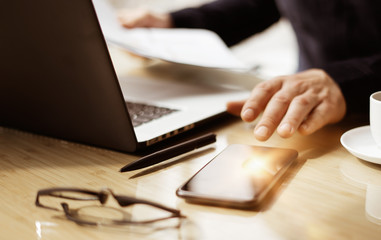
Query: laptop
column 57, row 79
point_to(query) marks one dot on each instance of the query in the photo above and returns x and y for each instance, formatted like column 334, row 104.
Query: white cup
column 375, row 117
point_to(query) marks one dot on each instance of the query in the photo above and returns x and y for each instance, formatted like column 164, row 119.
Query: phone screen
column 240, row 176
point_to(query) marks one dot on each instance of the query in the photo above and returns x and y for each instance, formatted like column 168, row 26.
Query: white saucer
column 359, row 142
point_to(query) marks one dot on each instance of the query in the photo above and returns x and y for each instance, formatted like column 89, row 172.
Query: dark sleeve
column 358, row 79
column 232, row 20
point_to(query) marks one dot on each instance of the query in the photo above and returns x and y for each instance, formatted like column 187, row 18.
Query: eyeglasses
column 149, row 212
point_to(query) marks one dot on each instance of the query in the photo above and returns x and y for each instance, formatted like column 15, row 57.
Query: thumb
column 235, row 107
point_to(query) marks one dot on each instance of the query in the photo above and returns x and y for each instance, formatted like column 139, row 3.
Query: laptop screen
column 56, row 76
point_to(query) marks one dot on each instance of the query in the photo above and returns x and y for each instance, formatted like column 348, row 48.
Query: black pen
column 170, row 152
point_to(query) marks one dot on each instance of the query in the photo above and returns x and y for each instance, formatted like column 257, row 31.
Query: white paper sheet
column 196, row 47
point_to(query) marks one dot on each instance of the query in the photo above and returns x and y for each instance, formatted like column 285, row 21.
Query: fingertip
column 234, row 108
column 125, row 25
column 248, row 115
column 305, row 129
column 285, row 130
column 262, row 133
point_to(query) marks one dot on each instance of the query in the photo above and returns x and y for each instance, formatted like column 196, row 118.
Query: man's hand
column 305, row 101
column 135, row 18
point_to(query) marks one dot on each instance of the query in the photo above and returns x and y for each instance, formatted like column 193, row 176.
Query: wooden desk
column 322, row 198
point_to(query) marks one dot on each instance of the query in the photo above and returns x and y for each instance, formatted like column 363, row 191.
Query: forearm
column 357, row 78
column 232, row 20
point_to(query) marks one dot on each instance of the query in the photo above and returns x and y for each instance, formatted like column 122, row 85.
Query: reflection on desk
column 367, row 176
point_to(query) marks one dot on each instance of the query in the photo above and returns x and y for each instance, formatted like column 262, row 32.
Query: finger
column 298, row 110
column 273, row 114
column 329, row 111
column 127, row 22
column 316, row 120
column 259, row 98
column 132, row 19
column 235, row 107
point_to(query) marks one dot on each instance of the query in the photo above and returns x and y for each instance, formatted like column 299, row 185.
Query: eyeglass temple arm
column 125, row 201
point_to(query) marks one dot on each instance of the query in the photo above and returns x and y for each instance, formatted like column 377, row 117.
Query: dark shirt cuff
column 357, row 80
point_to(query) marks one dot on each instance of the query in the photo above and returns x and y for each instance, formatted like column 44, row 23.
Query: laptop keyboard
column 141, row 113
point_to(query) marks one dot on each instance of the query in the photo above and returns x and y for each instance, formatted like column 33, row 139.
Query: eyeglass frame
column 102, row 197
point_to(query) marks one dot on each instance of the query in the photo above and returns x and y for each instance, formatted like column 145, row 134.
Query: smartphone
column 239, row 177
